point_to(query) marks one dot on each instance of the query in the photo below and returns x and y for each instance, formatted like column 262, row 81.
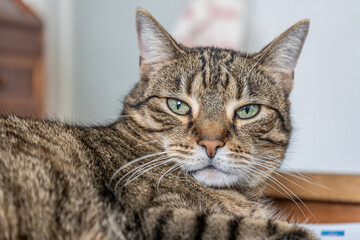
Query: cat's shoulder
column 27, row 124
column 27, row 131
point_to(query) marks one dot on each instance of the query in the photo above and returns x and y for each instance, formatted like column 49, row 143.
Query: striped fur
column 131, row 179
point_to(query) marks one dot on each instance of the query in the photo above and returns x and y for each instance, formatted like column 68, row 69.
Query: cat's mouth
column 209, row 168
column 213, row 176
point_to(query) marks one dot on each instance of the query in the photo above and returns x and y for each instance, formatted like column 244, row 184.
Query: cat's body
column 59, row 186
column 67, row 182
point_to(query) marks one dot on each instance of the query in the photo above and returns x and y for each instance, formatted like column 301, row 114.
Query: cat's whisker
column 145, row 171
column 134, row 161
column 249, row 175
column 254, row 174
column 285, row 193
column 282, row 176
column 186, row 175
column 149, row 164
column 303, row 177
column 180, row 170
column 287, row 190
column 176, row 165
column 275, row 165
column 307, row 178
column 294, row 173
column 300, row 175
column 139, row 168
column 266, row 157
column 267, row 162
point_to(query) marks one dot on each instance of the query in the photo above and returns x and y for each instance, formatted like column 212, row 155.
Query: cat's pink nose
column 211, row 146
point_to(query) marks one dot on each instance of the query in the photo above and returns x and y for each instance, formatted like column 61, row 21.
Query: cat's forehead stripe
column 214, row 68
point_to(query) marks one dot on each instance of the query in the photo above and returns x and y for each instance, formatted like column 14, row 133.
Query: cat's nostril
column 211, row 146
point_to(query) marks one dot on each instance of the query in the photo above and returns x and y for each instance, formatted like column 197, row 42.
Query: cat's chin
column 213, row 177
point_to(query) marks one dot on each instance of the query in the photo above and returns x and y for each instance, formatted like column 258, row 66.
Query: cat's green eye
column 248, row 111
column 178, row 106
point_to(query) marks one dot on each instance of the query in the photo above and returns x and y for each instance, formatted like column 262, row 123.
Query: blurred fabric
column 217, row 23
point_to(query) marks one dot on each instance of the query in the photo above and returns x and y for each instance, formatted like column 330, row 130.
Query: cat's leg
column 180, row 223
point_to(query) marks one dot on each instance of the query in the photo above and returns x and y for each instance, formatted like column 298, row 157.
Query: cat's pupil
column 178, row 104
column 247, row 110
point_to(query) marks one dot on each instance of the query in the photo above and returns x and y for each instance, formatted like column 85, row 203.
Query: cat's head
column 222, row 115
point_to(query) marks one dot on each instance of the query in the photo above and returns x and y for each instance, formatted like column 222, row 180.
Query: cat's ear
column 281, row 55
column 155, row 44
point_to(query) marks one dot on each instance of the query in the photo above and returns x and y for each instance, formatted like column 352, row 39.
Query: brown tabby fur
column 57, row 181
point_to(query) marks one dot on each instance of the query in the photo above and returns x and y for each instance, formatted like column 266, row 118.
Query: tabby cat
column 200, row 134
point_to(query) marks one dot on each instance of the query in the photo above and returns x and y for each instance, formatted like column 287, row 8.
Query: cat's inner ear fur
column 281, row 55
column 156, row 46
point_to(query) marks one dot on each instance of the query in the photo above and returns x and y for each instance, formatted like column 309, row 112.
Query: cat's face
column 223, row 116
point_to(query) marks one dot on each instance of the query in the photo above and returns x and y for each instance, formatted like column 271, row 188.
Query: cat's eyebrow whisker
column 139, row 168
column 256, row 63
column 134, row 161
column 247, row 52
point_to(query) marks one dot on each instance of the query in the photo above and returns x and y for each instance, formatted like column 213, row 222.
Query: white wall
column 106, row 56
column 59, row 41
column 325, row 98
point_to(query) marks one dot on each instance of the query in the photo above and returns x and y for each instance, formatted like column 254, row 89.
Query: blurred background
column 75, row 61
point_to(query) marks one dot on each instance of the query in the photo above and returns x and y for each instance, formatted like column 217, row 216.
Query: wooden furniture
column 21, row 74
column 327, row 198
